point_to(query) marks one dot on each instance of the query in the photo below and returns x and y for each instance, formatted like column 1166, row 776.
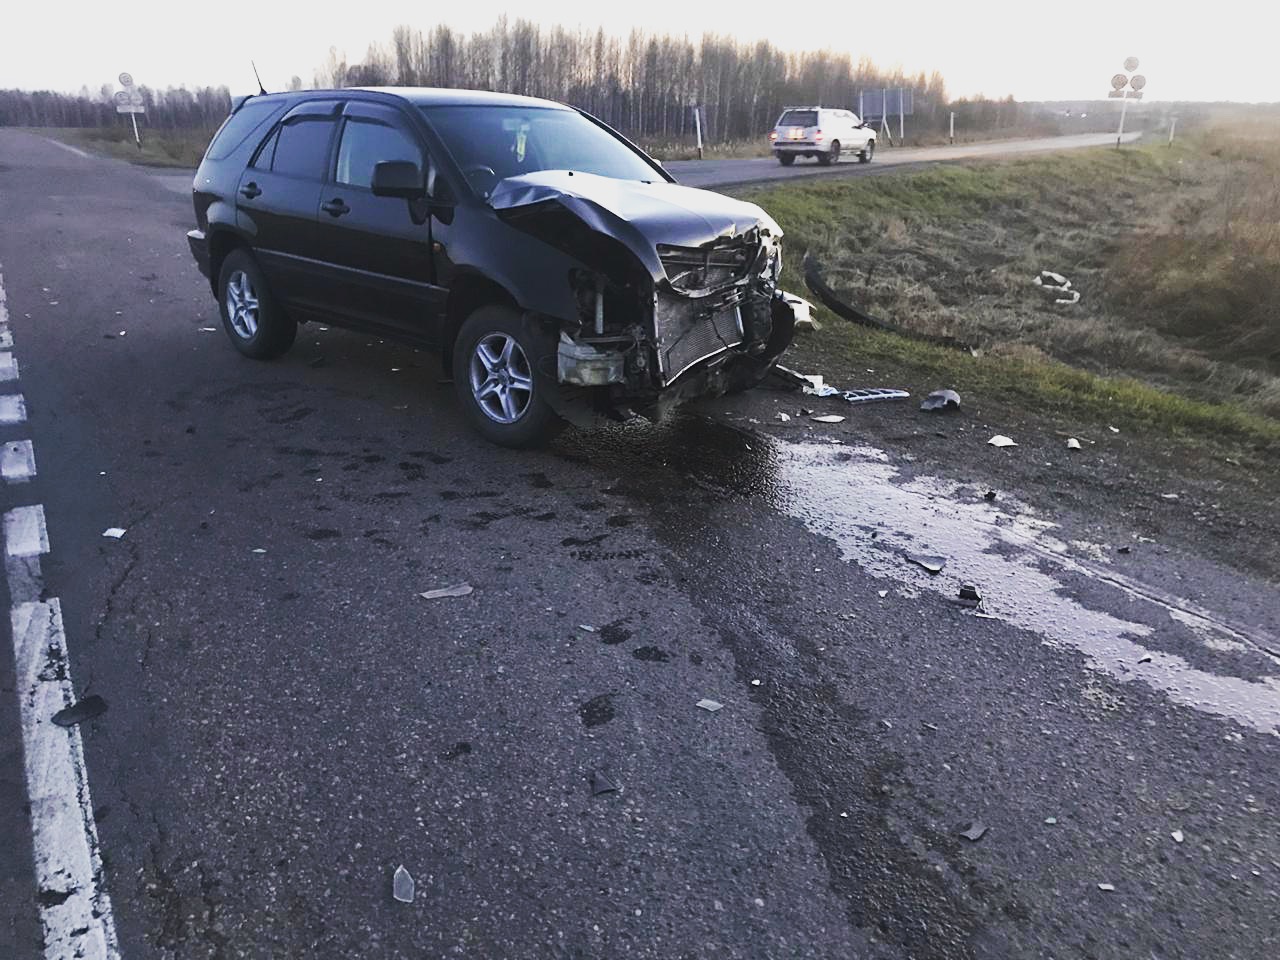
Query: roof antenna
column 261, row 88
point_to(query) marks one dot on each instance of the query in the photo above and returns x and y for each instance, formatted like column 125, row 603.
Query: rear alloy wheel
column 495, row 371
column 256, row 324
column 867, row 152
column 831, row 156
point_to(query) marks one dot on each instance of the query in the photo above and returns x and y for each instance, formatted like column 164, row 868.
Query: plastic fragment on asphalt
column 1000, row 440
column 975, row 832
column 1177, row 836
column 1106, row 887
column 985, row 616
column 828, row 418
column 1051, row 820
column 784, row 417
column 1124, row 549
column 711, row 706
column 755, row 683
column 969, row 595
column 883, row 593
column 114, row 533
column 931, row 564
column 208, row 329
column 1114, row 429
column 941, row 400
column 1073, row 443
column 600, row 783
column 258, row 550
column 873, row 394
column 457, row 590
column 587, row 627
column 402, row 885
column 86, row 709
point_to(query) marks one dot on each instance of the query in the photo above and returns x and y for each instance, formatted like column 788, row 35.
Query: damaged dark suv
column 562, row 274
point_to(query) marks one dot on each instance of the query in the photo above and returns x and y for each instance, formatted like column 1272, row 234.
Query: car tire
column 831, row 156
column 786, row 159
column 867, row 152
column 499, row 374
column 255, row 322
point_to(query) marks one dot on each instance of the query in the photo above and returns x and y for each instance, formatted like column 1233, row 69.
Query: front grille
column 691, row 330
column 692, row 269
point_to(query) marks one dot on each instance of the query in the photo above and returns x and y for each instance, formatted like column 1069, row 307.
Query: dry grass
column 1172, row 249
column 160, row 148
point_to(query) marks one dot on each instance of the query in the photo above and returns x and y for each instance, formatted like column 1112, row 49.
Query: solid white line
column 25, row 534
column 17, row 461
column 13, row 409
column 75, row 911
column 70, row 149
column 8, row 367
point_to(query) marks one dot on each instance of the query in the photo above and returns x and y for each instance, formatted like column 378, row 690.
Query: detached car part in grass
column 562, row 274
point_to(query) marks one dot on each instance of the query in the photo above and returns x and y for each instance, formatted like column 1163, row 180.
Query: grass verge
column 160, row 148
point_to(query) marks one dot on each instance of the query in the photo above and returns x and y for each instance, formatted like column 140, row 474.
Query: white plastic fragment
column 755, row 683
column 1000, row 440
column 457, row 590
column 115, row 533
column 1073, row 443
column 784, row 417
column 883, row 593
column 402, row 885
column 587, row 627
column 828, row 418
column 1106, row 887
column 208, row 329
column 258, row 550
column 1051, row 820
column 1177, row 836
column 1114, row 429
column 711, row 706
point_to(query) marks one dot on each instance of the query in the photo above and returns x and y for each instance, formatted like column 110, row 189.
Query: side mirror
column 398, row 178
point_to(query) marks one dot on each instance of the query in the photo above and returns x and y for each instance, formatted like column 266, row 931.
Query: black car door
column 377, row 250
column 278, row 197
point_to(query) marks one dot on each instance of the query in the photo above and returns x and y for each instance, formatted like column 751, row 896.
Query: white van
column 821, row 132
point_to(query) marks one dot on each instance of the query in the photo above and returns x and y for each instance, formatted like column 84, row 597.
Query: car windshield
column 799, row 118
column 491, row 143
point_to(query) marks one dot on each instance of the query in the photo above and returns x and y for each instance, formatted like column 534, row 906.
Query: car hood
column 640, row 215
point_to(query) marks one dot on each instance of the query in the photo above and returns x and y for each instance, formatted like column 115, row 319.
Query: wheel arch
column 468, row 292
column 221, row 243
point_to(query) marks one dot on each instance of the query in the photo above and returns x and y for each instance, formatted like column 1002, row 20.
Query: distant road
column 728, row 173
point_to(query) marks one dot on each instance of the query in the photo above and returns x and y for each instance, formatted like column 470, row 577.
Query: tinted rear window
column 799, row 118
column 302, row 148
column 237, row 127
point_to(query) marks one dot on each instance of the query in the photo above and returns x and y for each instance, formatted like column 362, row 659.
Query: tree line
column 644, row 84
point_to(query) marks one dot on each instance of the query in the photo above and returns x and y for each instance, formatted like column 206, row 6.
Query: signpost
column 130, row 101
column 1125, row 88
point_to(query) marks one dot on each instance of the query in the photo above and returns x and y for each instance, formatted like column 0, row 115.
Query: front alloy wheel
column 242, row 304
column 501, row 380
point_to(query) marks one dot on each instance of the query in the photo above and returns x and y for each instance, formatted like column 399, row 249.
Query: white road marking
column 17, row 461
column 75, row 911
column 13, row 409
column 25, row 534
column 70, row 149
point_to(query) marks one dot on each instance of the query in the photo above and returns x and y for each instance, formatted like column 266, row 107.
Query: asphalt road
column 288, row 721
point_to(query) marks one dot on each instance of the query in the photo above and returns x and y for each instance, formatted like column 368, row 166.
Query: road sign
column 130, row 108
column 1138, row 82
column 1131, row 64
column 126, row 79
column 1119, row 81
column 1115, row 94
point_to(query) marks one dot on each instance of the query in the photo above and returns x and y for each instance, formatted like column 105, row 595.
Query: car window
column 799, row 118
column 302, row 148
column 237, row 127
column 366, row 143
column 266, row 153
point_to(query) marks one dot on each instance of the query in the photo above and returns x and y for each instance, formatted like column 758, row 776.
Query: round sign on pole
column 122, row 97
column 1119, row 81
column 126, row 79
column 1131, row 64
column 1138, row 82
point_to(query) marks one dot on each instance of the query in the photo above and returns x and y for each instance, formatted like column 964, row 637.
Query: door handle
column 250, row 190
column 335, row 207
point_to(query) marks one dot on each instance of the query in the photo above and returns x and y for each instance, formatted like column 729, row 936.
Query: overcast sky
column 1209, row 51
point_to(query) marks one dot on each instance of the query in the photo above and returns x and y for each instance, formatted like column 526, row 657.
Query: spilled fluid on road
column 856, row 497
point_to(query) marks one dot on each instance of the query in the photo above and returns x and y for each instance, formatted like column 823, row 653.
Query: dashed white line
column 17, row 461
column 75, row 911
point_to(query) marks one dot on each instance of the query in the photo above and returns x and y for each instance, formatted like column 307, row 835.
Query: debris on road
column 791, row 378
column 600, row 783
column 815, row 387
column 1073, row 443
column 989, row 496
column 1000, row 440
column 86, row 709
column 969, row 593
column 941, row 400
column 1145, row 658
column 208, row 329
column 258, row 550
column 457, row 590
column 1177, row 836
column 784, row 417
column 114, row 533
column 1124, row 548
column 1057, row 286
column 755, row 683
column 402, row 885
column 1106, row 887
column 932, row 564
column 1051, row 820
column 711, row 706
column 803, row 311
column 587, row 627
column 873, row 394
column 828, row 418
column 883, row 593
column 975, row 832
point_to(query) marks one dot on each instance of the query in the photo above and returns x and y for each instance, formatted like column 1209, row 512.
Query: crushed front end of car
column 676, row 290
